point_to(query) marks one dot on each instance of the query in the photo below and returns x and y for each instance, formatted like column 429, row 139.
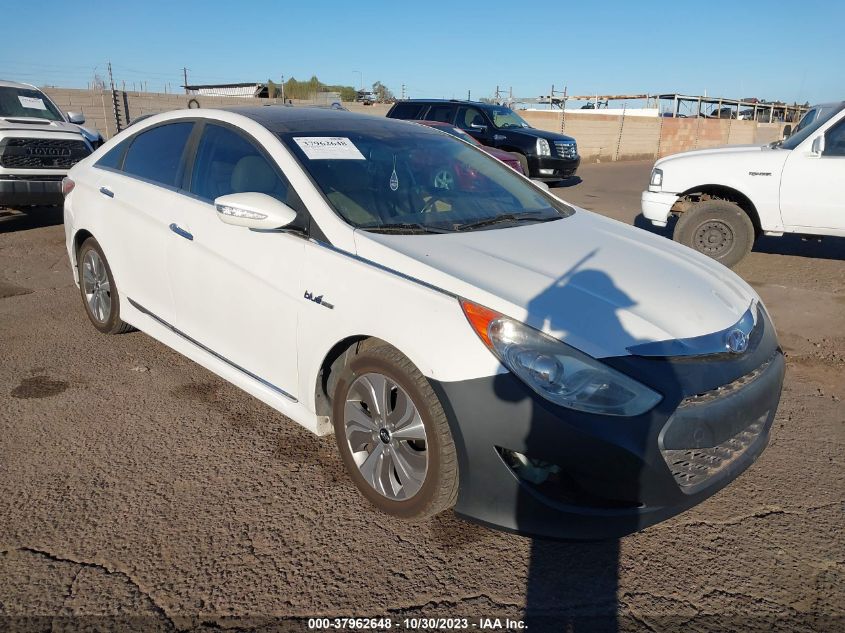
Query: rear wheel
column 393, row 435
column 99, row 293
column 717, row 228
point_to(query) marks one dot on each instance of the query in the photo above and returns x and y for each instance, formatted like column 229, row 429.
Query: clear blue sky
column 739, row 48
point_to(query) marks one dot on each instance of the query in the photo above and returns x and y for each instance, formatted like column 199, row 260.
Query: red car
column 507, row 158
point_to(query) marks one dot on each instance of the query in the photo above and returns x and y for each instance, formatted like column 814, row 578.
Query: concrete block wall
column 600, row 137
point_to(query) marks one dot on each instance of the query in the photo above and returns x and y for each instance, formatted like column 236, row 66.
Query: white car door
column 811, row 184
column 237, row 292
column 136, row 186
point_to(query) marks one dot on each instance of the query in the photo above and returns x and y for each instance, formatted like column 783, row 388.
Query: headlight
column 543, row 148
column 656, row 177
column 556, row 371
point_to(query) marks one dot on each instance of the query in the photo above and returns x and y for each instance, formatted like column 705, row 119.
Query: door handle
column 107, row 192
column 181, row 232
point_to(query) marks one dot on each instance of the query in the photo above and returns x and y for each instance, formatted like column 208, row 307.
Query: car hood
column 533, row 131
column 724, row 151
column 499, row 153
column 594, row 283
column 34, row 124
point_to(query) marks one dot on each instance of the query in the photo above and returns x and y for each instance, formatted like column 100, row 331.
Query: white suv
column 728, row 196
column 38, row 144
column 477, row 342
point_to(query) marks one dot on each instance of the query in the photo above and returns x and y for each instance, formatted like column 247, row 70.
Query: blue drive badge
column 394, row 179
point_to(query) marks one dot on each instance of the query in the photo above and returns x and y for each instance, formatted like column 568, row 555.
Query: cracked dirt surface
column 139, row 491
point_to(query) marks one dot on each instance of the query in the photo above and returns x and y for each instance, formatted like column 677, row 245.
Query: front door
column 811, row 192
column 238, row 292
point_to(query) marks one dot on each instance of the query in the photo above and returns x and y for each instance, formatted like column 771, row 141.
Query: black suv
column 549, row 156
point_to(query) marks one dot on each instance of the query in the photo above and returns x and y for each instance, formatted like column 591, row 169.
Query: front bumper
column 551, row 168
column 610, row 476
column 657, row 206
column 25, row 192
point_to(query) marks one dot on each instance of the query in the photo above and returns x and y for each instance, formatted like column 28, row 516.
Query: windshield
column 506, row 118
column 394, row 179
column 796, row 139
column 27, row 102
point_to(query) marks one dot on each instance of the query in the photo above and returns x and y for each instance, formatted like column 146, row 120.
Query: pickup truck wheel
column 717, row 228
column 99, row 293
column 393, row 435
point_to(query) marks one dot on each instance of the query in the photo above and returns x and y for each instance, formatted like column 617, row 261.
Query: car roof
column 456, row 101
column 829, row 104
column 281, row 119
column 15, row 84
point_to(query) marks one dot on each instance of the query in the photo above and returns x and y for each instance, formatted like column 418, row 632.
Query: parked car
column 38, row 144
column 550, row 156
column 726, row 197
column 510, row 159
column 494, row 349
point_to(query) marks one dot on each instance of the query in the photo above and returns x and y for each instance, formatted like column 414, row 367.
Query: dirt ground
column 138, row 490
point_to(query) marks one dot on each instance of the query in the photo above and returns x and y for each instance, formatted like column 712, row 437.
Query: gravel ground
column 138, row 490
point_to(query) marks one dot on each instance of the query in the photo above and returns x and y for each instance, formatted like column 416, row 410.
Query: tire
column 102, row 303
column 718, row 229
column 373, row 451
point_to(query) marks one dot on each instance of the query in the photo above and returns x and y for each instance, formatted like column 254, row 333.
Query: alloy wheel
column 96, row 286
column 386, row 436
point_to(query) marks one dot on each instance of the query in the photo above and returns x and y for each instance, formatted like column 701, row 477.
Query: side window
column 443, row 113
column 407, row 111
column 467, row 117
column 227, row 163
column 114, row 157
column 834, row 140
column 156, row 154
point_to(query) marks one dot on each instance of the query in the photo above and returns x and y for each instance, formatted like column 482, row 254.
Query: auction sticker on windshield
column 33, row 103
column 328, row 147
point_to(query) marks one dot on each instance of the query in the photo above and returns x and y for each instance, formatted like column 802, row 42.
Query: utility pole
column 469, row 95
column 185, row 75
column 283, row 90
column 403, row 92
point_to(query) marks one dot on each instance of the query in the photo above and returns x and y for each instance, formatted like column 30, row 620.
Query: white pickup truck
column 726, row 197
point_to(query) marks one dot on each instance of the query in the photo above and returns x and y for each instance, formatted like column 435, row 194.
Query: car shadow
column 12, row 221
column 566, row 182
column 788, row 244
column 574, row 585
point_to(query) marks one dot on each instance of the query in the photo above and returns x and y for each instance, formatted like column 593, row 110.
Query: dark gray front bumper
column 25, row 192
column 612, row 476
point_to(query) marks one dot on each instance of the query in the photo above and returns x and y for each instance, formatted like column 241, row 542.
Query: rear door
column 137, row 188
column 811, row 185
column 238, row 292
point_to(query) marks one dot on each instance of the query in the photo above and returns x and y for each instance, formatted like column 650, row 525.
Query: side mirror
column 76, row 117
column 787, row 131
column 817, row 148
column 254, row 211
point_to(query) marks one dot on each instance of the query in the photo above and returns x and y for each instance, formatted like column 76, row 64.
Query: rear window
column 406, row 111
column 442, row 113
column 156, row 154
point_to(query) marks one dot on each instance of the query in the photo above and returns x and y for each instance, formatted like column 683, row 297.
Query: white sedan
column 475, row 343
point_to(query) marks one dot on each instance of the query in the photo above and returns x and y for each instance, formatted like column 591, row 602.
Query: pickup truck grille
column 566, row 149
column 41, row 153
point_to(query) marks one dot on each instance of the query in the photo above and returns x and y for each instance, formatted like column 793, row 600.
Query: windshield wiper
column 507, row 217
column 403, row 227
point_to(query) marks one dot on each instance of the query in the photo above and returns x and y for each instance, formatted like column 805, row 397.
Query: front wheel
column 717, row 228
column 393, row 435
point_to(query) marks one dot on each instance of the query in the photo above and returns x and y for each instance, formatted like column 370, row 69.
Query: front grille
column 706, row 456
column 41, row 153
column 694, row 466
column 566, row 149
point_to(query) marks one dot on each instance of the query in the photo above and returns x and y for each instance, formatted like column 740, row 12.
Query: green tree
column 382, row 92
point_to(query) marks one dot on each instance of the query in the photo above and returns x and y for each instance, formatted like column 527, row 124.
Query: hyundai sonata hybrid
column 477, row 343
